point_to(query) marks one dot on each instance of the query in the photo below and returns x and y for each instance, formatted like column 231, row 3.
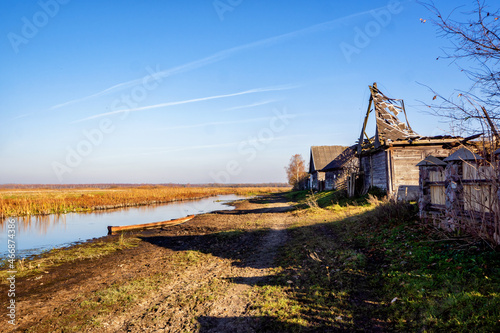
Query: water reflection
column 41, row 224
column 36, row 234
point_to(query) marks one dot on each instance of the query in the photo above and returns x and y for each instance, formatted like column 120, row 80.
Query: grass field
column 381, row 270
column 20, row 202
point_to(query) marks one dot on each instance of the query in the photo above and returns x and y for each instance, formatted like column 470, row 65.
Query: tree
column 296, row 171
column 475, row 48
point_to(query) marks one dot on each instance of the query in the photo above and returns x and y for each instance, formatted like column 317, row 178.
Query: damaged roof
column 386, row 111
column 391, row 131
column 322, row 155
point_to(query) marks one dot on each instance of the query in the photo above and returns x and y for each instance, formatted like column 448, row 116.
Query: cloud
column 22, row 116
column 161, row 105
column 229, row 122
column 211, row 146
column 252, row 105
column 224, row 54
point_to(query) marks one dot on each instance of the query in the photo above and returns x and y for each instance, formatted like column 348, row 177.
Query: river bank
column 37, row 234
column 270, row 265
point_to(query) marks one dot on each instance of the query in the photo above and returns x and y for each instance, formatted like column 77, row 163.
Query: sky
column 222, row 91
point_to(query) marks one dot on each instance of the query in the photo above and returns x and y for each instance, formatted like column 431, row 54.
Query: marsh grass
column 61, row 201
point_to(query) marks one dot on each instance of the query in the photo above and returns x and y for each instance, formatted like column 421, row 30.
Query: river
column 36, row 234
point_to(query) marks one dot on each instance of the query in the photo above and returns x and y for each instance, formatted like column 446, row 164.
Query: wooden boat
column 112, row 229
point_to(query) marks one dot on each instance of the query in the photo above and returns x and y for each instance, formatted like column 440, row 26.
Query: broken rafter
column 388, row 125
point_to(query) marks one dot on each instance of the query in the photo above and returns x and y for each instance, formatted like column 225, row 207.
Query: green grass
column 329, row 199
column 39, row 263
column 441, row 285
column 381, row 269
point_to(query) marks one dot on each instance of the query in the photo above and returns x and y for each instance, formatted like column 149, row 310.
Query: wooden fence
column 461, row 195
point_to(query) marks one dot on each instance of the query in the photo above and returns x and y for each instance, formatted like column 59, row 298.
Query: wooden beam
column 363, row 130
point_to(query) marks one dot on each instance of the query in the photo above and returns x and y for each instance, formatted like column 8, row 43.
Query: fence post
column 454, row 174
column 430, row 163
column 454, row 195
column 424, row 195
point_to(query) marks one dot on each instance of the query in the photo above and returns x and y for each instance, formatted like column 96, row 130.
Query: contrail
column 221, row 55
column 149, row 107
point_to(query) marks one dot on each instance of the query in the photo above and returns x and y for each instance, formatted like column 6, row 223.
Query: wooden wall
column 375, row 169
column 395, row 169
column 404, row 171
column 337, row 179
column 317, row 178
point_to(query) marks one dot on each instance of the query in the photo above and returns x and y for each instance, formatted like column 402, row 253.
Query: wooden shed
column 320, row 157
column 338, row 171
column 389, row 159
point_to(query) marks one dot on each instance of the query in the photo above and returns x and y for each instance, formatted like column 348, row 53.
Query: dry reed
column 44, row 201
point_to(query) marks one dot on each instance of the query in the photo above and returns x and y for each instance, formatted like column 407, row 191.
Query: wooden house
column 389, row 159
column 320, row 157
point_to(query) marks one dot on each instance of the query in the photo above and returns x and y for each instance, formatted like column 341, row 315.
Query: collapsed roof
column 389, row 129
column 388, row 125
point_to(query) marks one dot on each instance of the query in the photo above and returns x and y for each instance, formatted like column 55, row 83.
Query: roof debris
column 386, row 112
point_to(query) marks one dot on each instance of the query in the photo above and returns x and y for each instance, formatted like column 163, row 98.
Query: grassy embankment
column 60, row 201
column 37, row 264
column 381, row 269
column 349, row 265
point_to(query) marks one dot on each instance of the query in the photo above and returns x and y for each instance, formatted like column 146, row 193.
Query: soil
column 47, row 302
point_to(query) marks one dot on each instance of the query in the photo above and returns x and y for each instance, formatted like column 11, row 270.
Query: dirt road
column 191, row 277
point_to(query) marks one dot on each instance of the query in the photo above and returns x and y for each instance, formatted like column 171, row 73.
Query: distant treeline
column 103, row 186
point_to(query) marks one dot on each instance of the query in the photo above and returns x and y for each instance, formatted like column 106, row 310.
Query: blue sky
column 203, row 91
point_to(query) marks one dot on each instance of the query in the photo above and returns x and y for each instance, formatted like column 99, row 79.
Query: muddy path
column 190, row 277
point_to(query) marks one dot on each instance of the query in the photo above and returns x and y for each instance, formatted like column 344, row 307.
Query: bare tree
column 475, row 42
column 296, row 171
column 475, row 48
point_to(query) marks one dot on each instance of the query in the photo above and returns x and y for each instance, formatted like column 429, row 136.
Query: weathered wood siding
column 403, row 168
column 330, row 177
column 337, row 179
column 375, row 169
column 317, row 178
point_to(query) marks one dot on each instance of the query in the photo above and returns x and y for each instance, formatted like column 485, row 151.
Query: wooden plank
column 478, row 198
column 436, row 176
column 438, row 195
column 113, row 229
